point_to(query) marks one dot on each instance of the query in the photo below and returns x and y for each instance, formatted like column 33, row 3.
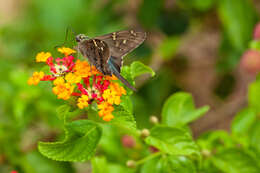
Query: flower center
column 60, row 69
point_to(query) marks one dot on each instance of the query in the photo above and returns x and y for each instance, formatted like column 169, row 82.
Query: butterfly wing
column 97, row 52
column 122, row 42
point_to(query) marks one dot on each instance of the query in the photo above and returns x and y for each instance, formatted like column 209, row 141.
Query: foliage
column 39, row 133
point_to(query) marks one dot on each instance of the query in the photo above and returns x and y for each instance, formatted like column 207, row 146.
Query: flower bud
column 206, row 153
column 257, row 32
column 250, row 61
column 154, row 119
column 131, row 164
column 153, row 149
column 145, row 133
column 128, row 141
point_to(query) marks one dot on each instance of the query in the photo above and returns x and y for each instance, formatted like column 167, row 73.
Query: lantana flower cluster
column 73, row 77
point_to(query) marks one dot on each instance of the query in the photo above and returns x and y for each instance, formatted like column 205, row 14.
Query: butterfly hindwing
column 97, row 51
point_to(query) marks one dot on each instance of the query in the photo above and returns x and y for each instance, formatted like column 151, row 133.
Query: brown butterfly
column 106, row 52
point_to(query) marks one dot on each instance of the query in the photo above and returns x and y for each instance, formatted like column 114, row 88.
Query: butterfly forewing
column 122, row 42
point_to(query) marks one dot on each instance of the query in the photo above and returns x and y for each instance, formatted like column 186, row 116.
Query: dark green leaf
column 243, row 121
column 238, row 18
column 173, row 141
column 179, row 110
column 41, row 164
column 235, row 161
column 80, row 142
column 149, row 12
column 62, row 111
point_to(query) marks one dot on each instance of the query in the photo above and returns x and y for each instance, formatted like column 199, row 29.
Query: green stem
column 139, row 162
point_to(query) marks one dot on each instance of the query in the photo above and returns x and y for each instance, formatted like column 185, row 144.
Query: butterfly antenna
column 66, row 36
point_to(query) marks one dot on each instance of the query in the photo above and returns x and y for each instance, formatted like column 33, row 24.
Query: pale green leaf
column 243, row 121
column 179, row 109
column 80, row 142
column 173, row 164
column 235, row 161
column 173, row 141
column 138, row 68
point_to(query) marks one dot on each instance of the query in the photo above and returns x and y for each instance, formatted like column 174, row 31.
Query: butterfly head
column 81, row 37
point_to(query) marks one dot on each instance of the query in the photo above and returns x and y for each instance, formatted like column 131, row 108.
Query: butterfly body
column 106, row 52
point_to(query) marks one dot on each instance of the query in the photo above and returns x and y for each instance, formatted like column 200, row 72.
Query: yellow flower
column 72, row 78
column 62, row 90
column 36, row 78
column 111, row 97
column 83, row 101
column 42, row 56
column 59, row 81
column 105, row 111
column 82, row 68
column 66, row 51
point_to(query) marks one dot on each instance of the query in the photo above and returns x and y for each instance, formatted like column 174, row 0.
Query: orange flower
column 117, row 88
column 113, row 77
column 42, row 56
column 66, row 51
column 83, row 101
column 82, row 68
column 36, row 78
column 62, row 90
column 105, row 111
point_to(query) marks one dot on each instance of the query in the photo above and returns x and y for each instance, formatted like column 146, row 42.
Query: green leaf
column 179, row 110
column 149, row 12
column 127, row 103
column 138, row 68
column 201, row 5
column 123, row 118
column 169, row 47
column 243, row 121
column 40, row 164
column 235, row 161
column 173, row 141
column 99, row 165
column 126, row 73
column 255, row 44
column 254, row 95
column 215, row 140
column 238, row 26
column 116, row 168
column 80, row 142
column 62, row 111
column 254, row 135
column 174, row 164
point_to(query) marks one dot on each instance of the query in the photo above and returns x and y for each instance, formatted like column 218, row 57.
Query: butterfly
column 106, row 52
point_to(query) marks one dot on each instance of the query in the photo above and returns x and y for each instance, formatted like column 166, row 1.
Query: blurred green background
column 193, row 45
